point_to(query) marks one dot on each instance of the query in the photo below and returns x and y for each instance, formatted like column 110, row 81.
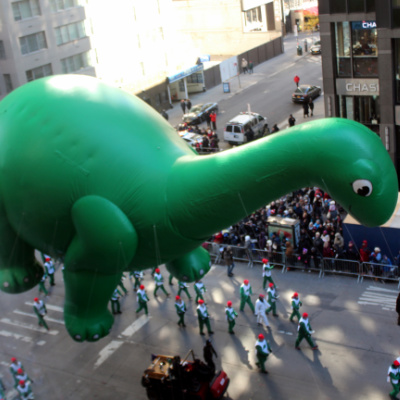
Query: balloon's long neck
column 224, row 188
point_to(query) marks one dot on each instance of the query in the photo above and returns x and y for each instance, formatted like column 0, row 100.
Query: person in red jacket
column 213, row 117
column 365, row 252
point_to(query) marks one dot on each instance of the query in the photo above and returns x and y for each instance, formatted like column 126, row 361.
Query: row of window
column 30, row 8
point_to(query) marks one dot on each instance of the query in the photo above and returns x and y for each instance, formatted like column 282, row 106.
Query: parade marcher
column 42, row 285
column 121, row 285
column 159, row 280
column 23, row 376
column 137, row 275
column 40, row 310
column 208, row 352
column 2, row 390
column 291, row 120
column 170, row 279
column 296, row 304
column 24, row 390
column 180, row 310
column 183, row 286
column 231, row 315
column 199, row 289
column 261, row 309
column 227, row 255
column 115, row 304
column 50, row 270
column 263, row 350
column 142, row 299
column 272, row 297
column 245, row 293
column 14, row 367
column 304, row 332
column 267, row 268
column 393, row 378
column 204, row 318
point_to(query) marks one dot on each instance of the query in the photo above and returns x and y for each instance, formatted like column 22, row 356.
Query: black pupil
column 363, row 191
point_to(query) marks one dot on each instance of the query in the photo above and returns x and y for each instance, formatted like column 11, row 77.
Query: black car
column 304, row 92
column 197, row 114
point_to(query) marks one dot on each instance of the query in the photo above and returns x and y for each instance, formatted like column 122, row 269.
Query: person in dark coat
column 398, row 309
column 291, row 120
column 183, row 105
column 305, row 108
column 208, row 352
column 311, row 106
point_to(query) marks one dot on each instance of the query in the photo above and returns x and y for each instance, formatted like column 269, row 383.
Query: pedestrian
column 40, row 310
column 24, row 390
column 249, row 134
column 393, row 378
column 245, row 293
column 180, row 307
column 291, row 120
column 305, row 108
column 231, row 315
column 183, row 105
column 42, row 285
column 266, row 272
column 203, row 317
column 275, row 129
column 142, row 299
column 263, row 350
column 311, row 105
column 14, row 367
column 208, row 352
column 296, row 80
column 213, row 118
column 200, row 289
column 261, row 309
column 188, row 104
column 304, row 332
column 244, row 65
column 183, row 286
column 251, row 66
column 137, row 275
column 159, row 281
column 227, row 255
column 398, row 309
column 208, row 120
column 296, row 304
column 50, row 270
column 115, row 304
column 272, row 297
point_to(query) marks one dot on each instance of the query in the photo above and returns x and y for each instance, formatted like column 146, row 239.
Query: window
column 25, row 9
column 8, row 82
column 71, row 32
column 195, row 78
column 31, row 43
column 396, row 13
column 76, row 62
column 342, row 34
column 253, row 20
column 60, row 5
column 39, row 72
column 2, row 51
column 338, row 6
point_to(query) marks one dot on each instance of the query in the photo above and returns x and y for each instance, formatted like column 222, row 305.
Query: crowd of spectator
column 321, row 233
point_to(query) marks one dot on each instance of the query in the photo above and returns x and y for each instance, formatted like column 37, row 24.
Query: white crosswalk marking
column 48, row 306
column 32, row 315
column 27, row 326
column 375, row 296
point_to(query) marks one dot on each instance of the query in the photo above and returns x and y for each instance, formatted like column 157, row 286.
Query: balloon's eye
column 362, row 187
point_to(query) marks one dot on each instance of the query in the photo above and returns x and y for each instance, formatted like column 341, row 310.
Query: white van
column 235, row 129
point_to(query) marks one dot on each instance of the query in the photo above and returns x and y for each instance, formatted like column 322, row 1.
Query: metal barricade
column 382, row 272
column 341, row 266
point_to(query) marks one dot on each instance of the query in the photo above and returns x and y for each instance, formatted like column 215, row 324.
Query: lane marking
column 28, row 326
column 57, row 321
column 17, row 336
column 135, row 326
column 107, row 351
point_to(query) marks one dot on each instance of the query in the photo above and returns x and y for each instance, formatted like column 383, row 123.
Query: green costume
column 171, row 277
column 115, row 305
column 121, row 285
column 50, row 270
column 393, row 377
column 204, row 318
column 304, row 332
column 40, row 310
column 263, row 350
column 267, row 268
column 272, row 297
column 159, row 280
column 42, row 285
column 14, row 367
column 199, row 289
column 231, row 315
column 130, row 192
column 245, row 293
column 296, row 304
column 2, row 390
column 142, row 299
column 180, row 310
column 137, row 277
column 183, row 286
column 24, row 391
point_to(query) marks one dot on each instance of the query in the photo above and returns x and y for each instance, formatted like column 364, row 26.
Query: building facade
column 361, row 65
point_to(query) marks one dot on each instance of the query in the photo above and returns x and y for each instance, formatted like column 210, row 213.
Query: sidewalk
column 244, row 81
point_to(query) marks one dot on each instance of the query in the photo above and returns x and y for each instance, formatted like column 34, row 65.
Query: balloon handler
column 40, row 310
column 263, row 350
column 231, row 315
column 304, row 332
column 142, row 299
column 130, row 194
column 204, row 318
column 296, row 304
column 180, row 307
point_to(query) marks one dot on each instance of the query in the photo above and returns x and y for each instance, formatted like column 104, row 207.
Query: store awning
column 185, row 73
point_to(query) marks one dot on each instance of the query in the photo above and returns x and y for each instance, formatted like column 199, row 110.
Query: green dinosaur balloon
column 94, row 175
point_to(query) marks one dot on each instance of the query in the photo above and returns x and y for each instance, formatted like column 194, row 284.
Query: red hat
column 201, row 301
column 229, row 303
column 35, row 299
column 295, row 294
column 265, row 260
column 396, row 363
column 305, row 315
column 21, row 382
column 177, row 297
column 364, row 242
column 271, row 284
column 158, row 270
column 13, row 359
column 261, row 336
column 261, row 295
column 141, row 287
column 246, row 281
column 20, row 371
column 47, row 258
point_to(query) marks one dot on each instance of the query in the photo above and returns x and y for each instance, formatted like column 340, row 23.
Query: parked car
column 193, row 139
column 197, row 114
column 304, row 92
column 235, row 129
column 316, row 48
